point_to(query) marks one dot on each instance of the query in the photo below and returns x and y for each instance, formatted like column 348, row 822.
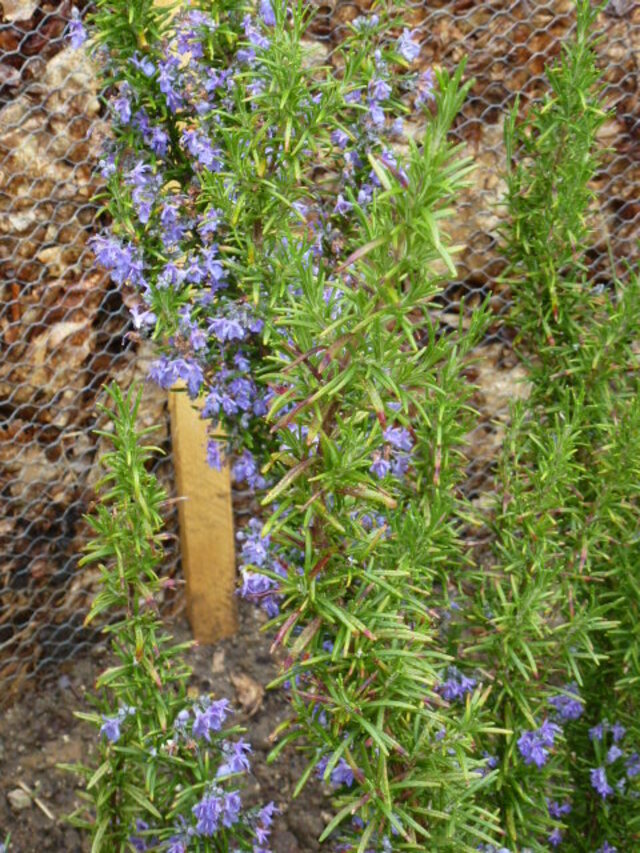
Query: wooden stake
column 206, row 527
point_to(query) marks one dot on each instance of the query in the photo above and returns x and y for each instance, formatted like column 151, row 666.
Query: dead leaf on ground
column 217, row 664
column 248, row 693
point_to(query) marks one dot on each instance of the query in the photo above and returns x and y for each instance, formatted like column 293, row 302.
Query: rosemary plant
column 168, row 773
column 559, row 604
column 282, row 236
column 370, row 418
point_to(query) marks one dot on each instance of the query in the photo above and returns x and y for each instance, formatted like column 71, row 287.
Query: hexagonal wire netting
column 64, row 330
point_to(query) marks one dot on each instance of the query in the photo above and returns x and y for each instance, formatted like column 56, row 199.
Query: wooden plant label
column 206, row 527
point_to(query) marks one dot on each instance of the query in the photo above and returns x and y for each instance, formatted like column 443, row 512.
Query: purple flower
column 142, row 316
column 267, row 14
column 110, row 728
column 426, row 85
column 613, row 754
column 558, row 810
column 598, row 732
column 341, row 774
column 108, row 167
column 599, row 782
column 555, row 838
column 200, row 147
column 254, row 551
column 378, row 90
column 607, row 848
column 164, row 372
column 122, row 107
column 365, row 194
column 340, row 138
column 187, row 41
column 159, row 141
column 534, row 745
column 266, row 814
column 618, row 731
column 207, row 813
column 400, row 465
column 407, row 48
column 209, row 222
column 215, row 459
column 492, row 760
column 145, row 64
column 193, row 376
column 197, row 338
column 246, row 470
column 227, row 329
column 255, row 585
column 216, row 79
column 139, row 843
column 236, row 758
column 243, row 391
column 253, row 35
column 255, row 545
column 548, row 732
column 171, row 276
column 172, row 224
column 166, row 80
column 568, row 705
column 181, row 720
column 231, row 806
column 376, row 114
column 246, row 56
column 363, row 23
column 212, row 267
column 632, row 765
column 141, row 121
column 342, row 206
column 398, row 437
column 77, row 32
column 456, row 685
column 121, row 259
column 397, row 128
column 209, row 717
column 380, row 466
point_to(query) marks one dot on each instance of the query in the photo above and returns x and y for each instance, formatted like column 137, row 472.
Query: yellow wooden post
column 206, row 518
column 206, row 527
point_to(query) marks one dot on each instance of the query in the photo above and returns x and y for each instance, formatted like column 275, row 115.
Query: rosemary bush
column 169, row 768
column 284, row 237
column 563, row 592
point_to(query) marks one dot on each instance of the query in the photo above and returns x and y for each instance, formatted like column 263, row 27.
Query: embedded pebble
column 19, row 800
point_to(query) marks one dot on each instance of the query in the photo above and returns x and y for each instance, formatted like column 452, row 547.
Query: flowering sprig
column 221, row 121
column 169, row 766
column 352, row 387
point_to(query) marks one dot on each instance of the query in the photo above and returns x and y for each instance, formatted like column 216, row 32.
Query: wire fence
column 64, row 329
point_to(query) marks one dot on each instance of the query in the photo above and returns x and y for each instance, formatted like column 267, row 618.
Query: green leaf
column 104, row 768
column 142, row 800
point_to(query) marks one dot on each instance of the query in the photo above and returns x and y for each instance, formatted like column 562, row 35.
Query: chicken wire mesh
column 508, row 43
column 64, row 332
column 64, row 329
